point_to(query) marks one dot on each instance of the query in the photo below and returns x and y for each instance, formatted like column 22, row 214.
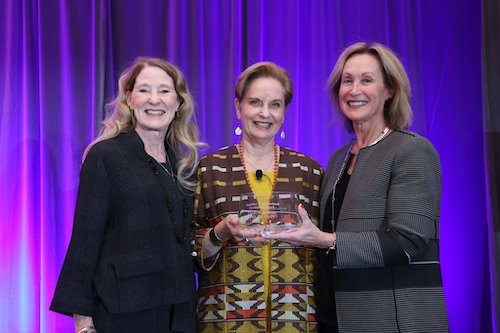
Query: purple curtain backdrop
column 59, row 62
column 491, row 107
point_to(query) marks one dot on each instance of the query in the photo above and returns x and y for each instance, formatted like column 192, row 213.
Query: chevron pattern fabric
column 232, row 289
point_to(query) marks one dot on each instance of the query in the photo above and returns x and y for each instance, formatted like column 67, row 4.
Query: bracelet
column 215, row 239
column 332, row 248
column 88, row 329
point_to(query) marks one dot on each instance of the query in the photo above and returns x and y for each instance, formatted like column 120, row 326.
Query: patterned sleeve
column 201, row 223
column 302, row 174
column 315, row 177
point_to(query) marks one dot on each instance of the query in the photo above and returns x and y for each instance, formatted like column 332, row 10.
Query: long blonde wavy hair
column 182, row 135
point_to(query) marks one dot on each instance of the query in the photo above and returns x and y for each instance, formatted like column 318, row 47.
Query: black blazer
column 123, row 249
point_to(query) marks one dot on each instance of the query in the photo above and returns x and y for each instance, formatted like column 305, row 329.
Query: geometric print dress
column 254, row 287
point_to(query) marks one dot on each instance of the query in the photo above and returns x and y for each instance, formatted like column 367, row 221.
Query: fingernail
column 301, row 205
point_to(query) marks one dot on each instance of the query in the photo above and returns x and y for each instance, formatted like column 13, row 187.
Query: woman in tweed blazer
column 379, row 207
column 128, row 267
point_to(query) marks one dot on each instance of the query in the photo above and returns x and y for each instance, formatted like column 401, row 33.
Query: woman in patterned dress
column 246, row 283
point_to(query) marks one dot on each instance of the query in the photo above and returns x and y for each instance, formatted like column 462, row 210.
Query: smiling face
column 153, row 99
column 262, row 110
column 362, row 92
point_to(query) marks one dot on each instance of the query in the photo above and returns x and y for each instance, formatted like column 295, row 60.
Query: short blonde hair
column 397, row 110
column 260, row 70
column 182, row 135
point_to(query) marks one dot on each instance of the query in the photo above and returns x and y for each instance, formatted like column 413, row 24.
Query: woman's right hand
column 227, row 229
column 82, row 321
column 231, row 227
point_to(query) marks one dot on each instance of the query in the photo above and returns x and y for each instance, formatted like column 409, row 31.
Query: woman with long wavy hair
column 128, row 266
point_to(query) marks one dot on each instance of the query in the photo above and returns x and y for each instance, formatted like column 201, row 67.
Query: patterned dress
column 235, row 288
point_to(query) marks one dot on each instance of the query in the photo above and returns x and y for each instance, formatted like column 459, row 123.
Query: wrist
column 325, row 240
column 215, row 238
column 332, row 244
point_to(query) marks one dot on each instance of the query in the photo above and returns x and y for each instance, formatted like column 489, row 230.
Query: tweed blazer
column 386, row 268
column 123, row 249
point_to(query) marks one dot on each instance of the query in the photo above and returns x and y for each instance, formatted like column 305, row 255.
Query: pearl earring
column 237, row 130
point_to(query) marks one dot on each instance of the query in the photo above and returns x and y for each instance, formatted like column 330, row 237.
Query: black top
column 327, row 311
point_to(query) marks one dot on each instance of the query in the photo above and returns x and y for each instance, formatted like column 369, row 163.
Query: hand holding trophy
column 269, row 214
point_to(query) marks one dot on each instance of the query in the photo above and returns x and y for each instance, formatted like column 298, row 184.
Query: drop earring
column 282, row 134
column 237, row 130
column 177, row 115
